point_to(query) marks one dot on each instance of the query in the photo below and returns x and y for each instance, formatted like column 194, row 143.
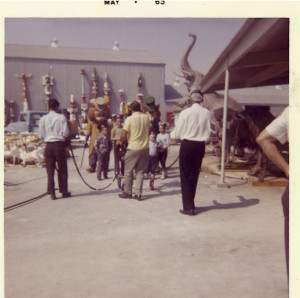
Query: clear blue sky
column 166, row 38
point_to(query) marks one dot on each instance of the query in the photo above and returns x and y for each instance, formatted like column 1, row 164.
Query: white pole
column 224, row 126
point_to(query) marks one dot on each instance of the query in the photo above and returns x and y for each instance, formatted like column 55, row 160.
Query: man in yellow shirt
column 136, row 132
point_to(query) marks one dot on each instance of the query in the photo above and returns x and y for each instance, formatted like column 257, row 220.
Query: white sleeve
column 178, row 126
column 279, row 128
column 41, row 129
column 65, row 127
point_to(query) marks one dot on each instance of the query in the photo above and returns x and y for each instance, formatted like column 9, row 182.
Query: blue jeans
column 103, row 162
column 151, row 166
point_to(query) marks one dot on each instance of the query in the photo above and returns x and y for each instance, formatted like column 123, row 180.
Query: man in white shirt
column 278, row 130
column 53, row 129
column 193, row 129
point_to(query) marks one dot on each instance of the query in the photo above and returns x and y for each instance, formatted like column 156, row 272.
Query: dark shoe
column 151, row 184
column 99, row 178
column 138, row 197
column 125, row 195
column 90, row 170
column 53, row 197
column 66, row 195
column 188, row 212
column 106, row 177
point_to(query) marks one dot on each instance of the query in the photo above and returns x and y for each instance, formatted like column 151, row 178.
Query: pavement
column 95, row 244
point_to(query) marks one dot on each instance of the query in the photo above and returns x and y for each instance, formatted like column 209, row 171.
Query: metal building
column 64, row 64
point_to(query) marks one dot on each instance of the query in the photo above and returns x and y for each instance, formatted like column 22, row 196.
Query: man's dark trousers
column 190, row 160
column 118, row 159
column 56, row 152
column 285, row 206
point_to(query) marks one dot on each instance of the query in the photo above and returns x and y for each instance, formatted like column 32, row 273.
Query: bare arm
column 124, row 134
column 113, row 134
column 267, row 143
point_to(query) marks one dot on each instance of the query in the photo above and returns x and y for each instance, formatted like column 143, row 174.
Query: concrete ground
column 95, row 244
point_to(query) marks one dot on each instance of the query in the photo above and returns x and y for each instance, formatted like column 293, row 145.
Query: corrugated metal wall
column 67, row 81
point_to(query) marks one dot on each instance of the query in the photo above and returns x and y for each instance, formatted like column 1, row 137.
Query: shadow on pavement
column 218, row 206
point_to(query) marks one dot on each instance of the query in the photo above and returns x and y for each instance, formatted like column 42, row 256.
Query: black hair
column 135, row 106
column 53, row 104
column 163, row 124
column 100, row 127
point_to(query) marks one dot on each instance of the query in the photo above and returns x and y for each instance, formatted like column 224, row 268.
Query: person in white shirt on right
column 278, row 130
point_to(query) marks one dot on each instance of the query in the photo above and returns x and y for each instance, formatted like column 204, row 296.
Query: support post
column 222, row 181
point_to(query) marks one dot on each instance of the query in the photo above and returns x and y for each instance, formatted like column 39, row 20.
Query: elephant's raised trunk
column 184, row 63
column 193, row 77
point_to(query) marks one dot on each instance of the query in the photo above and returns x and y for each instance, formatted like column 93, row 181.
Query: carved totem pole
column 9, row 111
column 72, row 110
column 122, row 103
column 106, row 91
column 25, row 100
column 140, row 95
column 84, row 106
column 47, row 82
column 73, row 123
column 95, row 84
column 11, row 108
